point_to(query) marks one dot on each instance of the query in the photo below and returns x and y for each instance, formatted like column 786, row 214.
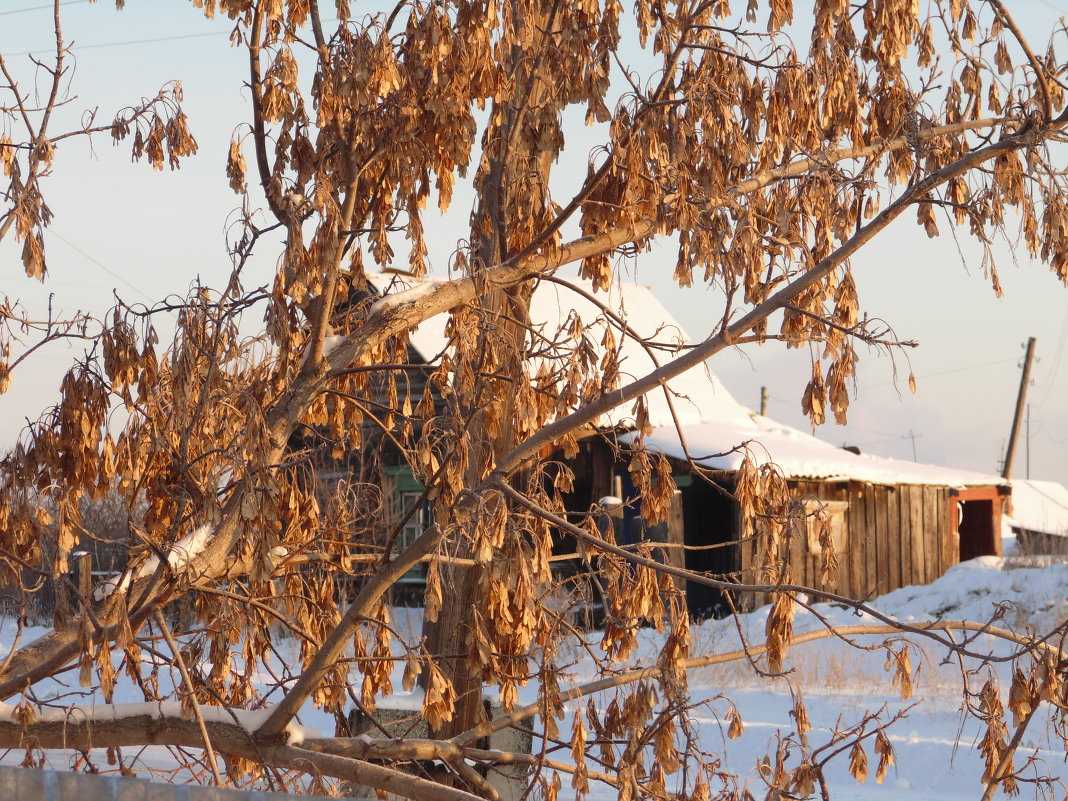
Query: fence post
column 83, row 572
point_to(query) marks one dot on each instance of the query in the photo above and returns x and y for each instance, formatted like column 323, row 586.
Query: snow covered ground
column 935, row 743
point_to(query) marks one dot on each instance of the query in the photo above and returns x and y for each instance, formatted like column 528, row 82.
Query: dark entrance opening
column 711, row 534
column 977, row 529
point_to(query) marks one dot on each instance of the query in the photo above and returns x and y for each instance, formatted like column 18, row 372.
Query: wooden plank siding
column 676, row 526
column 855, row 557
column 935, row 500
column 892, row 544
column 862, row 533
column 918, row 566
column 895, row 536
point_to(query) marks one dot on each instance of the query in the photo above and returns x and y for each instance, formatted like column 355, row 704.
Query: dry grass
column 830, row 667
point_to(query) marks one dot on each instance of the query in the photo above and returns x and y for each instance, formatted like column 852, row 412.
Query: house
column 893, row 522
column 1039, row 517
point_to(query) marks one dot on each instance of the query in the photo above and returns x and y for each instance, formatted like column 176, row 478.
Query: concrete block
column 77, row 787
column 9, row 782
column 510, row 781
column 33, row 786
column 124, row 788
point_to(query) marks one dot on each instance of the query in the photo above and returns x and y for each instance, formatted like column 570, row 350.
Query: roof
column 697, row 394
column 1039, row 506
column 713, row 422
column 797, row 454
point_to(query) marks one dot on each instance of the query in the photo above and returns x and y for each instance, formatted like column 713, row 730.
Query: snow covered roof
column 1039, row 506
column 797, row 453
column 713, row 421
column 697, row 395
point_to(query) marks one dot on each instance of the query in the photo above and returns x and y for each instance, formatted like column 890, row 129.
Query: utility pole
column 1021, row 402
column 763, row 401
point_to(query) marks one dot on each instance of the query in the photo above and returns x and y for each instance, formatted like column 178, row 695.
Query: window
column 821, row 516
column 415, row 525
column 419, row 520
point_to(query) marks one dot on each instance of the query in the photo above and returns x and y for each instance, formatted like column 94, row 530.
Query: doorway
column 976, row 528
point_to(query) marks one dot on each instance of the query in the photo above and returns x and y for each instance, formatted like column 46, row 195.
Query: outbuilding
column 893, row 522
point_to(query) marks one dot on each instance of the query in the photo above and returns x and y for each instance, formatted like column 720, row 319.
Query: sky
column 122, row 227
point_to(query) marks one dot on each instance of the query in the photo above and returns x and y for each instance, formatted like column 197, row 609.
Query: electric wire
column 48, row 6
column 99, row 264
column 131, row 42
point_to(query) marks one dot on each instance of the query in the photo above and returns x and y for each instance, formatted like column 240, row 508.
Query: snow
column 249, row 720
column 713, row 421
column 1039, row 506
column 415, row 291
column 797, row 454
column 935, row 741
column 178, row 558
column 697, row 394
column 332, row 343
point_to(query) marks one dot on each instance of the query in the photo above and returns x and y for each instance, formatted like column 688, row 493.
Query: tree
column 771, row 150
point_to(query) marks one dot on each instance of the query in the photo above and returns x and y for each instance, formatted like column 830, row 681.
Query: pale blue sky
column 148, row 234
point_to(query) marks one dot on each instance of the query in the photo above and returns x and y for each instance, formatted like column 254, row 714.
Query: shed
column 895, row 522
column 1039, row 517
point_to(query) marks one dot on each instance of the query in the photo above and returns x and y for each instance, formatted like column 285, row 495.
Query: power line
column 1056, row 363
column 49, row 6
column 136, row 41
column 965, row 368
column 99, row 264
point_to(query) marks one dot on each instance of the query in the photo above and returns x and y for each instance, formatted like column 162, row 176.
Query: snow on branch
column 178, row 557
column 157, row 714
column 406, row 296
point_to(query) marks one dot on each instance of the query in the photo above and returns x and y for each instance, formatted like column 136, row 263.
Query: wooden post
column 677, row 537
column 1021, row 401
column 763, row 401
column 83, row 573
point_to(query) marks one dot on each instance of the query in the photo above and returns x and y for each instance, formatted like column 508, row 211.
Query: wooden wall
column 895, row 536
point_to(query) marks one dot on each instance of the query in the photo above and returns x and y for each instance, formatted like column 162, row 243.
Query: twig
column 209, row 751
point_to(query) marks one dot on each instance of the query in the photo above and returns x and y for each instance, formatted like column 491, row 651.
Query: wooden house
column 894, row 522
